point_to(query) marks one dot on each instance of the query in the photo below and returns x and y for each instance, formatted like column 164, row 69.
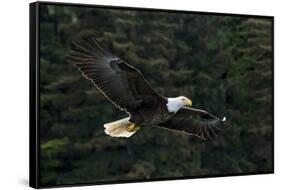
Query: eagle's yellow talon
column 132, row 128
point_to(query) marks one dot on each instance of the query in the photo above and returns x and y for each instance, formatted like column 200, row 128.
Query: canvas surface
column 223, row 63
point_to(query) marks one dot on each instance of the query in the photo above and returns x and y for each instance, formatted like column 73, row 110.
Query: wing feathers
column 118, row 81
column 195, row 122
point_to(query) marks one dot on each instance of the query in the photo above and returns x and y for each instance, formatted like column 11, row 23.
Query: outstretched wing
column 195, row 122
column 120, row 82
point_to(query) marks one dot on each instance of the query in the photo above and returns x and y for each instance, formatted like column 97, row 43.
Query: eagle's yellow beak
column 188, row 103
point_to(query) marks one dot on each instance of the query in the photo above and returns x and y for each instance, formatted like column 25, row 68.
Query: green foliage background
column 222, row 63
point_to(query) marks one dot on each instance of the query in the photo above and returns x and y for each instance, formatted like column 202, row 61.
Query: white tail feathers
column 119, row 128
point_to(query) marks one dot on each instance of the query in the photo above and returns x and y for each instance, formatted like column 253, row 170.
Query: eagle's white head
column 174, row 104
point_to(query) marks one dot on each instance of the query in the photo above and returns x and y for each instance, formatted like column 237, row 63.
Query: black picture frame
column 34, row 91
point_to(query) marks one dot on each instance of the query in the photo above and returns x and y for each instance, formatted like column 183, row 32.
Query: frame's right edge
column 33, row 132
column 273, row 97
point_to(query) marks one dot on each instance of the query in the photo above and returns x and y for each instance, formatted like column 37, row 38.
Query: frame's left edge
column 33, row 96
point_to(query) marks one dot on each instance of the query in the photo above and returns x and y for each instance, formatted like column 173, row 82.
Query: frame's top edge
column 151, row 9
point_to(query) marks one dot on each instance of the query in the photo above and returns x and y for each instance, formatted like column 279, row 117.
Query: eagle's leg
column 132, row 128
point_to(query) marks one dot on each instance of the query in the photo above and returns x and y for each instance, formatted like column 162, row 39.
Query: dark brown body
column 150, row 113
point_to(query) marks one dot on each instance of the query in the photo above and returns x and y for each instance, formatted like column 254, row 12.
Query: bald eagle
column 126, row 88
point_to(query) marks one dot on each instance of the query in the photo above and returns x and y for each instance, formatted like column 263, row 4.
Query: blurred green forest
column 223, row 63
